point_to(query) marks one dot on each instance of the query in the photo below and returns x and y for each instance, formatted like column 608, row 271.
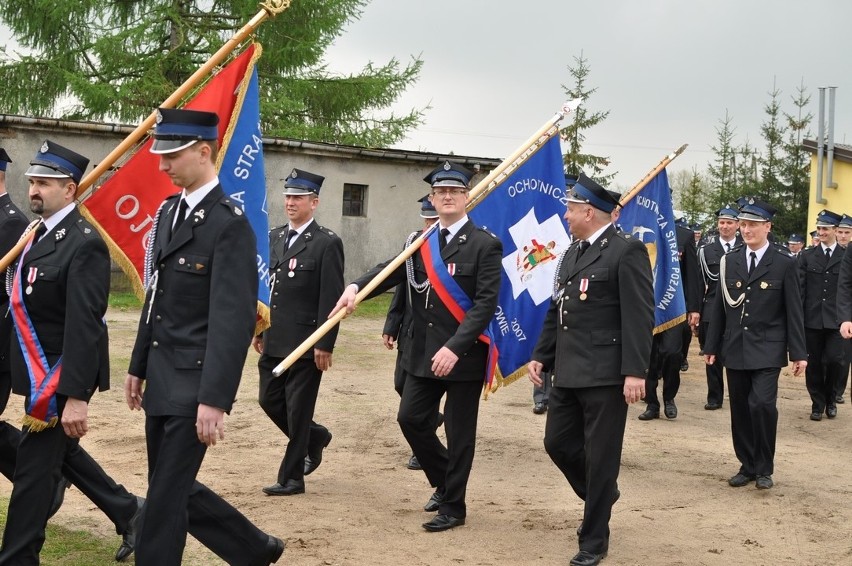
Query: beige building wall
column 394, row 179
column 837, row 199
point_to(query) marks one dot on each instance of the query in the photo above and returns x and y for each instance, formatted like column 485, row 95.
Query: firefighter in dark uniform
column 59, row 350
column 819, row 271
column 666, row 352
column 596, row 340
column 446, row 355
column 709, row 256
column 306, row 260
column 844, row 235
column 756, row 322
column 194, row 332
column 398, row 319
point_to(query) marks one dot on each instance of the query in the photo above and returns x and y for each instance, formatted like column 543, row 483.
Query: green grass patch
column 66, row 547
column 124, row 301
column 374, row 308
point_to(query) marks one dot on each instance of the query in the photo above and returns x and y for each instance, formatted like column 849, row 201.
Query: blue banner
column 525, row 211
column 242, row 173
column 650, row 219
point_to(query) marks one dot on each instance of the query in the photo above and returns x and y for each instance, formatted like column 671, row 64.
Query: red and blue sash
column 41, row 412
column 454, row 298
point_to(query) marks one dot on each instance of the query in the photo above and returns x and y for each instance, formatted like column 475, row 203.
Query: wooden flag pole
column 269, row 8
column 479, row 192
column 628, row 196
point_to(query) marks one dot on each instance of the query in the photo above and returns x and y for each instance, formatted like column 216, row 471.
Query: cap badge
column 294, row 174
column 159, row 118
column 751, row 200
column 44, row 148
column 447, row 166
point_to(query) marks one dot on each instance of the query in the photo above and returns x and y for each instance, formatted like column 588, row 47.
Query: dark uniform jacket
column 300, row 304
column 396, row 322
column 689, row 270
column 599, row 340
column 193, row 347
column 12, row 225
column 67, row 307
column 759, row 333
column 476, row 255
column 844, row 290
column 818, row 281
column 710, row 254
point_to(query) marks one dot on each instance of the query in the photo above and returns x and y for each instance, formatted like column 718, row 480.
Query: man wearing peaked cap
column 397, row 329
column 194, row 332
column 603, row 283
column 177, row 129
column 795, row 243
column 63, row 320
column 819, row 272
column 709, row 257
column 814, row 238
column 445, row 355
column 844, row 235
column 756, row 320
column 844, row 230
column 306, row 260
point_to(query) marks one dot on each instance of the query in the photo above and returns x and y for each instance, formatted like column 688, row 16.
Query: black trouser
column 445, row 467
column 715, row 377
column 843, row 377
column 687, row 342
column 583, row 436
column 289, row 400
column 754, row 418
column 177, row 503
column 826, row 363
column 665, row 362
column 542, row 394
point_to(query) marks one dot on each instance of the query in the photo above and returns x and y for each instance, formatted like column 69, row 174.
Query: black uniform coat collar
column 47, row 244
column 197, row 216
column 741, row 261
column 299, row 244
column 460, row 239
column 592, row 254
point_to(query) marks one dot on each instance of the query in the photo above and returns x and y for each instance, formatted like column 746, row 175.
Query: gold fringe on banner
column 670, row 324
column 117, row 254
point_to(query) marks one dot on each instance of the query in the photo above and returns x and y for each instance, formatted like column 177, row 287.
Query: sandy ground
column 363, row 507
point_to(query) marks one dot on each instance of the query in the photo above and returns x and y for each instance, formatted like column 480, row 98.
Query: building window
column 354, row 199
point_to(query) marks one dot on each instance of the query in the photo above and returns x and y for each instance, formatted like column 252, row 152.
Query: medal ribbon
column 584, row 285
column 455, row 299
column 44, row 380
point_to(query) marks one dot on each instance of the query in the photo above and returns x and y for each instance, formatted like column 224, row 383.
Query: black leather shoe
column 763, row 482
column 290, row 487
column 684, row 365
column 274, row 550
column 128, row 539
column 435, row 501
column 831, row 411
column 59, row 496
column 586, row 558
column 816, row 416
column 539, row 408
column 839, row 400
column 443, row 523
column 740, row 480
column 649, row 414
column 414, row 463
column 670, row 410
column 712, row 406
column 314, row 457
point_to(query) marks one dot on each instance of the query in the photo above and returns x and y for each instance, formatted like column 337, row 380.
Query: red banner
column 123, row 208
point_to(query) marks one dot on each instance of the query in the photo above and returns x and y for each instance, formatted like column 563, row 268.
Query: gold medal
column 764, row 285
column 29, row 289
column 739, row 284
column 583, row 296
column 291, row 274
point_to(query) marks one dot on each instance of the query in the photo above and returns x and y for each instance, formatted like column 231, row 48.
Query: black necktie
column 753, row 262
column 827, row 253
column 290, row 236
column 181, row 215
column 727, row 247
column 444, row 233
column 584, row 245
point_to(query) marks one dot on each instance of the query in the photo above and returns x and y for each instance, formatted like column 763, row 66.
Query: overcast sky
column 667, row 70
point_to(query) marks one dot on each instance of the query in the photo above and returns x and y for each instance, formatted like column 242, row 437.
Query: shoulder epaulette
column 326, row 231
column 487, row 231
column 234, row 207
